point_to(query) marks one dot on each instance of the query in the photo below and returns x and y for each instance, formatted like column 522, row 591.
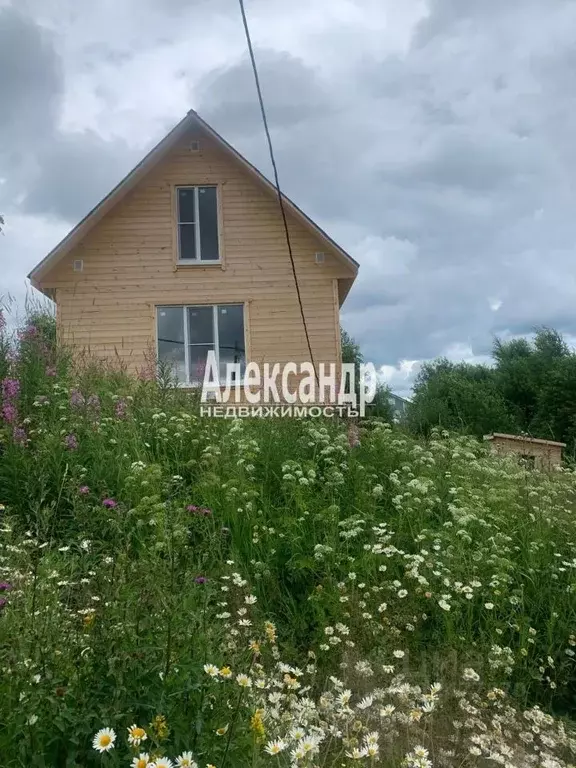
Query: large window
column 187, row 334
column 197, row 224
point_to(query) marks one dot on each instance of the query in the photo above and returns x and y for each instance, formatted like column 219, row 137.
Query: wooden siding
column 108, row 309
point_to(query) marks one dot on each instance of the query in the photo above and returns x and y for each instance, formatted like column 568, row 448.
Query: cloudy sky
column 434, row 139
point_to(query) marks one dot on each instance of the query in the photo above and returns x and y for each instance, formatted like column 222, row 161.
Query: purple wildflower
column 83, row 490
column 109, row 503
column 202, row 511
column 353, row 436
column 93, row 404
column 9, row 413
column 120, row 409
column 200, row 580
column 20, row 435
column 30, row 332
column 5, row 587
column 76, row 399
column 71, row 442
column 10, row 389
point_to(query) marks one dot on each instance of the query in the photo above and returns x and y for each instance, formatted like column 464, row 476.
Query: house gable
column 128, row 264
column 190, row 127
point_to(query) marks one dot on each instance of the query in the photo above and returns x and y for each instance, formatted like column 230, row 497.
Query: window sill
column 198, row 264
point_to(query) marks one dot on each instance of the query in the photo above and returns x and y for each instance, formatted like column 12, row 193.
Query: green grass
column 382, row 569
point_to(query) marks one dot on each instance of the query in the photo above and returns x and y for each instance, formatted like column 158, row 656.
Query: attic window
column 197, row 224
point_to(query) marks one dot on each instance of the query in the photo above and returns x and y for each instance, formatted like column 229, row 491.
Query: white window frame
column 196, row 224
column 215, row 307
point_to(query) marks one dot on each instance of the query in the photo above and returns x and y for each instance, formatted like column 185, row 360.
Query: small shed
column 539, row 454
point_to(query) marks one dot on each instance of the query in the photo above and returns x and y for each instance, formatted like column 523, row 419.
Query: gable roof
column 192, row 119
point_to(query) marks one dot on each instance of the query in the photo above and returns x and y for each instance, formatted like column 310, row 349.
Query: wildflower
column 9, row 413
column 257, row 724
column 275, row 747
column 83, row 490
column 185, row 760
column 5, row 587
column 488, row 606
column 250, row 599
column 32, row 720
column 398, row 654
column 222, row 731
column 20, row 436
column 163, row 762
column 270, row 631
column 365, row 703
column 71, row 442
column 93, row 402
column 244, row 681
column 357, row 754
column 104, row 740
column 444, row 605
column 136, row 735
column 344, row 698
column 211, row 669
column 160, row 727
column 402, row 593
column 109, row 503
column 387, row 710
column 225, row 672
column 142, row 761
column 120, row 408
column 76, row 399
column 10, row 389
column 470, row 675
column 200, row 580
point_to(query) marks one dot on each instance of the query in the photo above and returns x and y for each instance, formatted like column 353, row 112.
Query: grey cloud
column 453, row 158
column 48, row 171
column 74, row 172
column 31, row 80
column 229, row 94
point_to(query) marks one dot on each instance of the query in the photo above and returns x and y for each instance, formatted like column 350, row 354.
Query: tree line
column 530, row 387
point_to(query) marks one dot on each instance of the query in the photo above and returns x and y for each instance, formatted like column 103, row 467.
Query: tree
column 351, row 354
column 531, row 387
column 350, row 349
column 459, row 397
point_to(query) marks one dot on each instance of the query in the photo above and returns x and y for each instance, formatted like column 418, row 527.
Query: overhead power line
column 276, row 179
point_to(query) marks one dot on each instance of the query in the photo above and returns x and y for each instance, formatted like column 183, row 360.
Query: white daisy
column 211, row 669
column 163, row 762
column 136, row 735
column 275, row 747
column 185, row 760
column 104, row 740
column 142, row 761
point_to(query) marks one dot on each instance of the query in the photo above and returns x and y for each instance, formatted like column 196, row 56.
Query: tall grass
column 223, row 584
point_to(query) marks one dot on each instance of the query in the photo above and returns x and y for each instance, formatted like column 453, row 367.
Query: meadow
column 179, row 591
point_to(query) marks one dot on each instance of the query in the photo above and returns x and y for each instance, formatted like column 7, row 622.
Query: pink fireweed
column 20, row 436
column 9, row 413
column 71, row 442
column 10, row 389
column 109, row 503
column 201, row 511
